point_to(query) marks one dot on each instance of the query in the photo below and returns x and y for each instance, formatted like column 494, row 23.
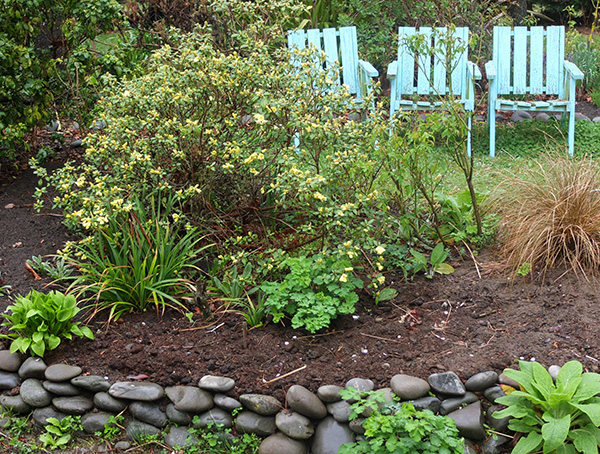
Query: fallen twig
column 284, row 375
column 381, row 338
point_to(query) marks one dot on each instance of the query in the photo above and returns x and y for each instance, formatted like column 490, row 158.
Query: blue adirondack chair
column 529, row 62
column 435, row 81
column 341, row 57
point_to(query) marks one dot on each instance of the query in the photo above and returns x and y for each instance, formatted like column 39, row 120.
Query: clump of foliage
column 59, row 433
column 556, row 417
column 40, row 321
column 217, row 439
column 551, row 215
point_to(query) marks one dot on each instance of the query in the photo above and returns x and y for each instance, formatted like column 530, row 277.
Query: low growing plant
column 40, row 321
column 215, row 439
column 561, row 417
column 435, row 263
column 60, row 432
column 58, row 271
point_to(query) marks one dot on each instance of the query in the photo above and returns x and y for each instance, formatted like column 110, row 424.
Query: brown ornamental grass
column 551, row 215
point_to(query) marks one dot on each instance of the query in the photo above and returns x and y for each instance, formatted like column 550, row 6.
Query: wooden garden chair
column 531, row 62
column 436, row 76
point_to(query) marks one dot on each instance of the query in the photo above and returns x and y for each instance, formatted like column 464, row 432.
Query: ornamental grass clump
column 551, row 215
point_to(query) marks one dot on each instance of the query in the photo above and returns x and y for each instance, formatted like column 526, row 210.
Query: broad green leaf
column 555, row 431
column 584, row 440
column 38, row 348
column 592, row 410
column 566, row 449
column 569, row 377
column 37, row 337
column 528, row 444
column 588, row 387
column 87, row 332
column 444, row 268
column 438, row 255
column 53, row 342
column 542, row 381
column 32, row 313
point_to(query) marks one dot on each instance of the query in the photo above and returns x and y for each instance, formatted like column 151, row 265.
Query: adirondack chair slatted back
column 341, row 52
column 427, row 74
column 530, row 60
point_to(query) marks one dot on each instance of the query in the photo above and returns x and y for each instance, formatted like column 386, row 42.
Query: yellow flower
column 381, row 280
column 379, row 250
column 344, row 278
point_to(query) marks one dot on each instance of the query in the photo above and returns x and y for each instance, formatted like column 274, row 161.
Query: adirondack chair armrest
column 490, row 70
column 367, row 68
column 474, row 72
column 573, row 71
column 392, row 70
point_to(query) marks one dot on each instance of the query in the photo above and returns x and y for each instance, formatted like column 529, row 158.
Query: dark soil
column 473, row 320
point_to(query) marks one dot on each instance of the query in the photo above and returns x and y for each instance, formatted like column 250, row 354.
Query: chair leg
column 492, row 123
column 571, row 137
column 469, row 125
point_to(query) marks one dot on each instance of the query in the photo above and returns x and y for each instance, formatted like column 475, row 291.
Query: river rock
column 34, row 394
column 62, row 372
column 106, row 402
column 543, row 117
column 294, row 425
column 305, row 402
column 446, row 383
column 449, row 405
column 226, row 402
column 10, row 362
column 362, row 384
column 76, row 405
column 520, row 115
column 9, row 380
column 216, row 384
column 330, row 435
column 280, row 444
column 494, row 393
column 506, row 380
column 469, row 421
column 498, row 424
column 493, row 445
column 60, row 389
column 250, row 422
column 596, row 119
column 136, row 430
column 481, row 381
column 14, row 404
column 581, row 117
column 215, row 416
column 553, row 371
column 388, row 396
column 356, row 426
column 41, row 415
column 407, row 387
column 181, row 418
column 340, row 411
column 190, row 398
column 95, row 422
column 427, row 403
column 181, row 437
column 93, row 383
column 148, row 412
column 33, row 368
column 129, row 390
column 261, row 404
column 329, row 393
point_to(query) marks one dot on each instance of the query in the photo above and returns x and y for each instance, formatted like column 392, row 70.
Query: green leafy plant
column 315, row 290
column 40, row 321
column 215, row 439
column 112, row 428
column 60, row 432
column 233, row 287
column 4, row 288
column 60, row 270
column 561, row 417
column 253, row 311
column 435, row 262
column 400, row 429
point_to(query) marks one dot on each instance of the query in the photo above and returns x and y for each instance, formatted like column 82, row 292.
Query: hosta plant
column 38, row 322
column 561, row 417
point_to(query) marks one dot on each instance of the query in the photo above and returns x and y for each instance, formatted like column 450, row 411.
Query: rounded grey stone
column 226, row 402
column 330, row 435
column 95, row 422
column 136, row 430
column 10, row 362
column 553, row 371
column 106, row 402
column 93, row 383
column 129, row 390
column 34, row 394
column 493, row 445
column 543, row 117
column 9, row 380
column 506, row 380
column 453, row 403
column 498, row 424
column 471, row 448
column 280, row 444
column 261, row 404
column 446, row 383
column 76, row 405
column 520, row 115
column 388, row 397
column 190, row 398
column 469, row 421
column 427, row 403
column 62, row 372
column 581, row 117
column 493, row 393
column 15, row 404
column 250, row 422
column 181, row 437
column 41, row 415
column 305, row 402
column 216, row 384
column 122, row 445
column 329, row 393
column 178, row 417
column 148, row 412
column 596, row 119
column 407, row 387
column 77, row 143
column 481, row 381
column 340, row 410
column 294, row 425
column 216, row 416
column 362, row 384
column 356, row 426
column 33, row 368
column 60, row 389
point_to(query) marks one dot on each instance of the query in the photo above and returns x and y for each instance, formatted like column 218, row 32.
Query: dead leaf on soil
column 10, row 206
column 18, row 244
column 36, row 277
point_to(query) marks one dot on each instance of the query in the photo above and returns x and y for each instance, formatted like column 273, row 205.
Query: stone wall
column 308, row 422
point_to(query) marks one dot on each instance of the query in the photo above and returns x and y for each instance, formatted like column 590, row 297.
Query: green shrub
column 556, row 417
column 40, row 321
